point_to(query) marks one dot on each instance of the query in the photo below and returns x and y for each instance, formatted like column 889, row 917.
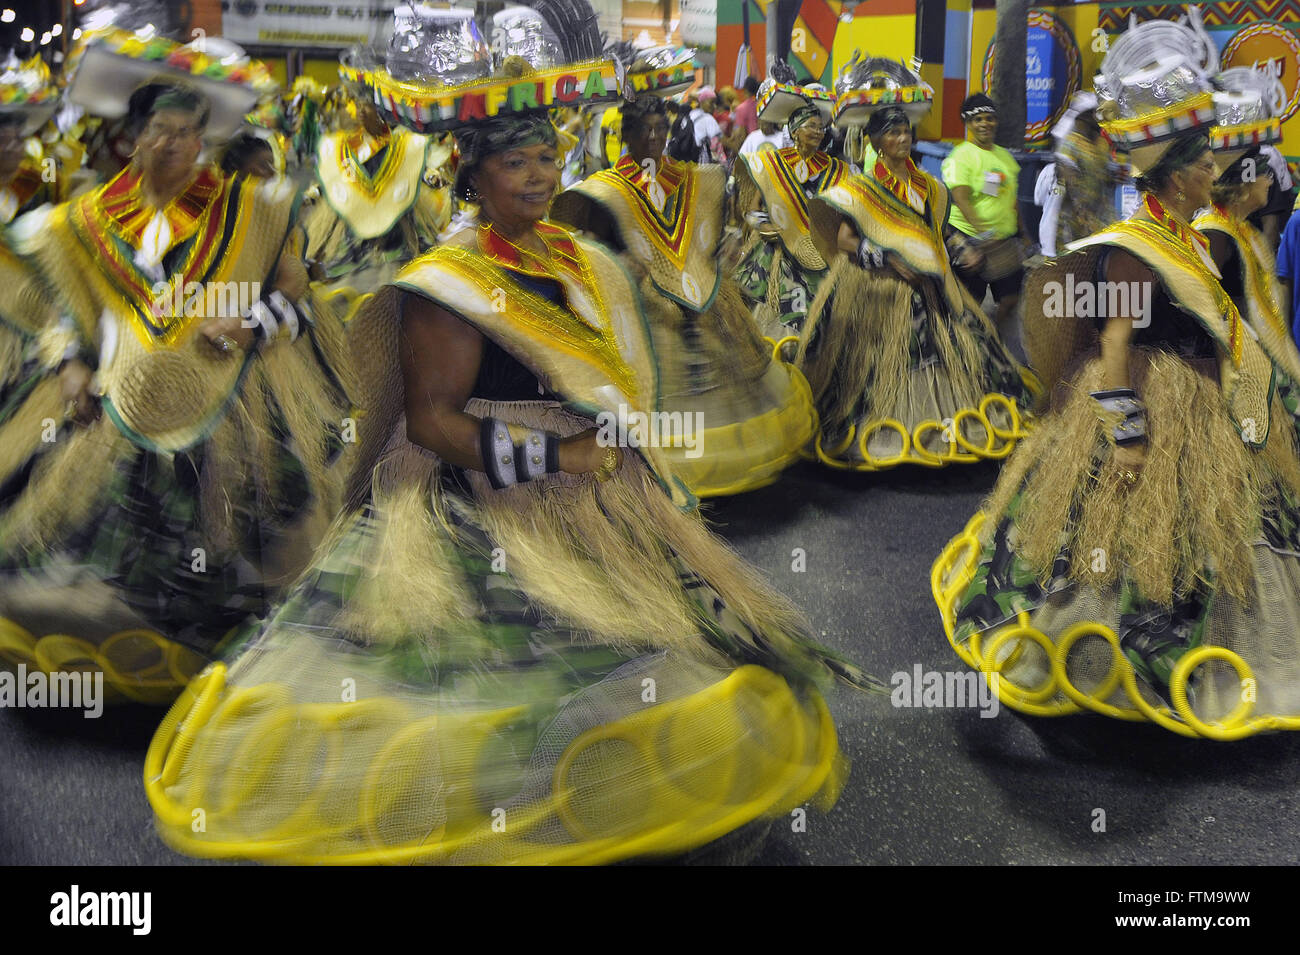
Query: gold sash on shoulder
column 881, row 217
column 1263, row 302
column 163, row 383
column 782, row 190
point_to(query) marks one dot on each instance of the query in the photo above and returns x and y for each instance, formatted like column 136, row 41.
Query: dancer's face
column 1197, row 178
column 895, row 143
column 809, row 136
column 1258, row 194
column 518, row 184
column 170, row 143
column 648, row 139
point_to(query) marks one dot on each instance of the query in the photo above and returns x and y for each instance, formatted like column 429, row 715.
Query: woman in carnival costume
column 542, row 658
column 179, row 460
column 780, row 267
column 716, row 370
column 27, row 101
column 904, row 366
column 1138, row 557
column 1246, row 119
column 375, row 210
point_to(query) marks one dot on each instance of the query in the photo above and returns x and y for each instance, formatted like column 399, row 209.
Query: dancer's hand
column 970, row 259
column 903, row 272
column 1129, row 460
column 583, row 454
column 75, row 378
column 227, row 335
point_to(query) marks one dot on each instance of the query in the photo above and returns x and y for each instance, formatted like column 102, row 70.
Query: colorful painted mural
column 1247, row 32
column 824, row 38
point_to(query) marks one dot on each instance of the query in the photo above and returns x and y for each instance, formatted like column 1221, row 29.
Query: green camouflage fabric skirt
column 1174, row 598
column 795, row 289
column 108, row 563
column 478, row 676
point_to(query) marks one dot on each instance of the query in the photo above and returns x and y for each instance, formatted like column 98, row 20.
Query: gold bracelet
column 608, row 465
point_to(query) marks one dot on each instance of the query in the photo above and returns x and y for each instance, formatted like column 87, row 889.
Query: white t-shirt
column 756, row 141
column 706, row 127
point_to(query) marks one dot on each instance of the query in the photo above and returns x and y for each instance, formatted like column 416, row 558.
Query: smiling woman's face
column 809, row 136
column 518, row 184
column 983, row 127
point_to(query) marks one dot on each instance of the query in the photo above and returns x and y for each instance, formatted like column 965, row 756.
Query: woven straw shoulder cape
column 163, row 384
column 165, row 389
column 1054, row 341
column 597, row 354
column 767, row 173
column 678, row 238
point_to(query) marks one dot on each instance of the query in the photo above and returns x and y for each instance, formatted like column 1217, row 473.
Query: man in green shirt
column 983, row 179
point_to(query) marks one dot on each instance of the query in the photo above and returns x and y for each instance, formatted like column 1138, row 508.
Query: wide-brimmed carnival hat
column 1154, row 88
column 112, row 63
column 657, row 71
column 873, row 90
column 1247, row 107
column 781, row 96
column 28, row 91
column 437, row 72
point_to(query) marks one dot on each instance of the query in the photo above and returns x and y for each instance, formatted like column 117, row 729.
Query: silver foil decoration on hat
column 1101, row 86
column 13, row 73
column 576, row 25
column 519, row 31
column 1144, row 44
column 139, row 15
column 1233, row 109
column 780, row 73
column 873, row 72
column 1160, row 86
column 660, row 58
column 1257, row 84
column 437, row 45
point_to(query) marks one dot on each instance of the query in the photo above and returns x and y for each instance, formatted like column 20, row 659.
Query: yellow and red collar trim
column 885, row 205
column 825, row 170
column 108, row 222
column 394, row 147
column 667, row 225
column 1181, row 231
column 914, row 190
column 563, row 255
column 590, row 339
column 123, row 209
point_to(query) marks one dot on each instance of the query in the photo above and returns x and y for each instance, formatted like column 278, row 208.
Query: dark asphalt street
column 927, row 786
